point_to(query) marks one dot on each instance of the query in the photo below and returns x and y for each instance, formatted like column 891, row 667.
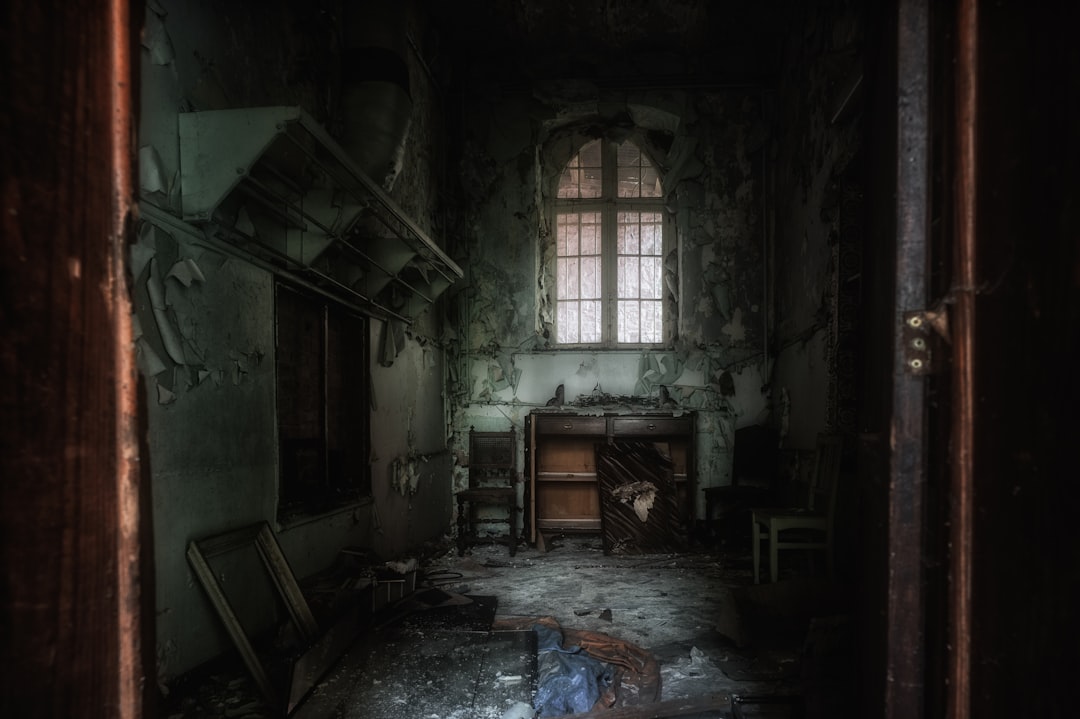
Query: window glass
column 321, row 361
column 631, row 240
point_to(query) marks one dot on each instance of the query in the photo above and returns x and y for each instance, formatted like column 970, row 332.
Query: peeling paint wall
column 410, row 465
column 206, row 348
column 709, row 147
column 812, row 147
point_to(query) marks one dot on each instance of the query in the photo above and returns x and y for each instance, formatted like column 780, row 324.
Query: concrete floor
column 709, row 626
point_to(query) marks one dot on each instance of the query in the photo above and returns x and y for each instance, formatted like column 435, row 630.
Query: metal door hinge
column 925, row 334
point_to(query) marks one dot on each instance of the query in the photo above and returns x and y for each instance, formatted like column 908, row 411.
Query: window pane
column 590, row 277
column 629, row 155
column 564, row 273
column 567, row 321
column 589, row 160
column 571, row 286
column 568, row 240
column 650, row 182
column 590, row 182
column 578, row 264
column 562, row 222
column 629, row 321
column 628, row 277
column 651, row 321
column 629, row 237
column 636, row 285
column 568, row 183
column 629, row 182
column 299, row 365
column 590, row 239
column 650, row 278
column 651, row 239
column 590, row 321
column 589, row 154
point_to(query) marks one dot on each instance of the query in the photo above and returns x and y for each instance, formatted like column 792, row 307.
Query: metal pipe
column 961, row 495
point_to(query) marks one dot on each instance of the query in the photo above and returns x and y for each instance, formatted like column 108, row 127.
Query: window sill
column 299, row 520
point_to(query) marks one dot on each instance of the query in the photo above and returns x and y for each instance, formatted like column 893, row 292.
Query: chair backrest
column 826, row 477
column 492, row 458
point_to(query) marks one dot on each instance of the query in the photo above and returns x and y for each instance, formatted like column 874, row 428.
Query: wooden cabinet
column 560, row 452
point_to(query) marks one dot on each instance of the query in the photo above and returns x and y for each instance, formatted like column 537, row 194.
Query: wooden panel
column 76, row 639
column 639, row 502
column 571, row 525
column 570, row 454
column 679, row 451
column 650, row 426
column 567, row 500
column 571, row 425
column 563, row 457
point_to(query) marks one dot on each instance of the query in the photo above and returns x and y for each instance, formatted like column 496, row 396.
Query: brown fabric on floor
column 637, row 671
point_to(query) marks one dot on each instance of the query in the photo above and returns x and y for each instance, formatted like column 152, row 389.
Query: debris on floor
column 459, row 643
column 569, row 681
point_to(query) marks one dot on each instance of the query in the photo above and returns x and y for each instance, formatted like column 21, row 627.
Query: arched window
column 609, row 248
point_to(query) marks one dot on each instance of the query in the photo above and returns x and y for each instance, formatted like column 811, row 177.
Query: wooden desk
column 560, row 450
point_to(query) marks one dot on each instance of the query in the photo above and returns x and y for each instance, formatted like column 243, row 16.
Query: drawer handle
column 651, row 425
column 568, row 426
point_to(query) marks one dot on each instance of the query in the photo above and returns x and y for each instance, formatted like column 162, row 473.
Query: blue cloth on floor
column 568, row 680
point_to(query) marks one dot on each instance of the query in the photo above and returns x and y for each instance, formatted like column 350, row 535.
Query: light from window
column 578, row 279
column 595, row 226
column 637, row 176
column 640, row 310
column 582, row 176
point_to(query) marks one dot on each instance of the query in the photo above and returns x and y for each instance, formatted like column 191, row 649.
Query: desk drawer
column 571, row 425
column 650, row 426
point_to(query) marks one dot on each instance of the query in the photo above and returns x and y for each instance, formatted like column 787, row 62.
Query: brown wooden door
column 74, row 628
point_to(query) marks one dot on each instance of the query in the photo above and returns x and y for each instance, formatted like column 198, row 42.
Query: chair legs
column 774, row 553
column 767, row 529
column 512, row 539
column 755, row 541
column 465, row 526
column 462, row 526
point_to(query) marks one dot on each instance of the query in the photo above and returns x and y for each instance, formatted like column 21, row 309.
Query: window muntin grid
column 636, row 175
column 609, row 248
column 639, row 309
column 578, row 279
column 582, row 176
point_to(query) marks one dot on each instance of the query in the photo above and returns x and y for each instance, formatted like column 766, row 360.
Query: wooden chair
column 809, row 527
column 492, row 481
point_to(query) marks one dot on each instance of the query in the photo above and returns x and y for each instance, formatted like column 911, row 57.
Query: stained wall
column 206, row 349
column 710, row 148
column 817, row 242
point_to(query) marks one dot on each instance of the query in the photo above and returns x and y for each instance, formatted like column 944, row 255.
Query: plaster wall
column 210, row 383
column 410, row 466
column 813, row 143
column 211, row 439
column 709, row 147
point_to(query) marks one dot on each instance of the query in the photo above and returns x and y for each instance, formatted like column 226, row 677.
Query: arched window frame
column 607, row 206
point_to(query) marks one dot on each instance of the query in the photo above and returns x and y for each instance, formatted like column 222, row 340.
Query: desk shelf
column 561, row 463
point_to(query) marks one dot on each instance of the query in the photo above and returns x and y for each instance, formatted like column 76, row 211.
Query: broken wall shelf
column 272, row 182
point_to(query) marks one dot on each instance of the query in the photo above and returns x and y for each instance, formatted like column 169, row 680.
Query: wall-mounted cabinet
column 274, row 184
column 561, row 461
